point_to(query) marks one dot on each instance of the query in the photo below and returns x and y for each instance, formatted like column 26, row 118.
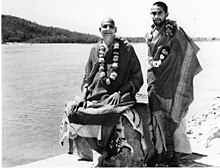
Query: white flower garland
column 165, row 51
column 102, row 71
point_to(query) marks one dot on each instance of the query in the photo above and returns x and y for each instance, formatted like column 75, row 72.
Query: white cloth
column 181, row 141
column 136, row 122
column 95, row 130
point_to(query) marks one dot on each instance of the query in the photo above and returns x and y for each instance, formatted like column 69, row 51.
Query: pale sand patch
column 213, row 160
column 67, row 161
column 60, row 161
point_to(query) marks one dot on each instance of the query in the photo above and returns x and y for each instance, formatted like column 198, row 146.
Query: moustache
column 157, row 20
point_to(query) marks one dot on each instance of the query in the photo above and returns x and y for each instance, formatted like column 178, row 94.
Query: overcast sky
column 199, row 18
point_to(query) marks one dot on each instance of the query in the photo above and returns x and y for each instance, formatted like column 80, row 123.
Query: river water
column 37, row 80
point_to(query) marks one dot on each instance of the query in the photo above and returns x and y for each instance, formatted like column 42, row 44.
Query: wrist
column 85, row 96
column 85, row 90
column 119, row 93
column 125, row 88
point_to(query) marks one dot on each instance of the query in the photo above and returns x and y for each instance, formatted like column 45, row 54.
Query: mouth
column 157, row 20
column 108, row 33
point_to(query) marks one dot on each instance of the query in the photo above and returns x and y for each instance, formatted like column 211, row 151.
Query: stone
column 122, row 159
column 204, row 127
column 125, row 158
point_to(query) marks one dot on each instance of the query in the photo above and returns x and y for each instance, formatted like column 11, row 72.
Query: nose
column 156, row 15
column 108, row 27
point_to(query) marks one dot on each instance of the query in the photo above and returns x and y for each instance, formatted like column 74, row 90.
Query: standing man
column 173, row 65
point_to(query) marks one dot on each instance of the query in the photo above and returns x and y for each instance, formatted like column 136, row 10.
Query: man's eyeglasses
column 157, row 13
column 106, row 26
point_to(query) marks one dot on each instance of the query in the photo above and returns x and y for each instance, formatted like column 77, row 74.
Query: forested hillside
column 15, row 29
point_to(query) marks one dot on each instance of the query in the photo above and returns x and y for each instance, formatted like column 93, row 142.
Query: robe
column 129, row 79
column 128, row 82
column 170, row 85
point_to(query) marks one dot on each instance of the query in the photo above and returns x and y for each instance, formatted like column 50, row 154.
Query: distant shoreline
column 15, row 29
column 8, row 43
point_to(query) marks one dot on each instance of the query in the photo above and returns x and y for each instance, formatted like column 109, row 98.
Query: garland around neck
column 157, row 60
column 107, row 79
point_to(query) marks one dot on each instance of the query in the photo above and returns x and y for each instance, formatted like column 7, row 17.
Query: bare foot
column 99, row 158
column 96, row 156
column 175, row 160
column 102, row 158
column 150, row 158
column 70, row 153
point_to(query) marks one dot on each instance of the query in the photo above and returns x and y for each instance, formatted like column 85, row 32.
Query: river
column 37, row 80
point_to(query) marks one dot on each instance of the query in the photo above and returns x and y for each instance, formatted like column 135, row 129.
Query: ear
column 100, row 29
column 115, row 29
column 167, row 14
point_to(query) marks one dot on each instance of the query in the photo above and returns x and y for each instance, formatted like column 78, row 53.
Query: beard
column 159, row 22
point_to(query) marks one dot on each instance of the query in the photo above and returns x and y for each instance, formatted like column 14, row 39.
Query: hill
column 16, row 29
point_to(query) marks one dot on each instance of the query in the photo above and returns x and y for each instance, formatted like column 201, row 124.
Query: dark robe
column 170, row 86
column 129, row 79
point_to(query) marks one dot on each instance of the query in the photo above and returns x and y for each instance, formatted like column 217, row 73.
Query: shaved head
column 108, row 21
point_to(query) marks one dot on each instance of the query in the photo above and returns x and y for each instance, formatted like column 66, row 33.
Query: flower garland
column 149, row 37
column 169, row 28
column 113, row 71
column 159, row 58
column 158, row 62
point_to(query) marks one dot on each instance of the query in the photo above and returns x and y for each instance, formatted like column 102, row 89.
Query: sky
column 199, row 18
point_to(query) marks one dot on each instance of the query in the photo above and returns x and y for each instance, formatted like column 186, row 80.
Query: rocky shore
column 203, row 130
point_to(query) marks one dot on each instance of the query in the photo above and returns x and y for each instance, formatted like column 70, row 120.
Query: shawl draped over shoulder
column 172, row 82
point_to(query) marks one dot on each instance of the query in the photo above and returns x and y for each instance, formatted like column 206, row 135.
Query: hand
column 114, row 99
column 84, row 103
column 81, row 103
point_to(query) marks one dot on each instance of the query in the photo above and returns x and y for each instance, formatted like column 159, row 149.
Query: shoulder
column 176, row 29
column 124, row 44
column 96, row 46
column 181, row 37
column 171, row 27
column 93, row 51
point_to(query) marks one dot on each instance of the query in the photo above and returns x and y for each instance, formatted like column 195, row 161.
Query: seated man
column 113, row 76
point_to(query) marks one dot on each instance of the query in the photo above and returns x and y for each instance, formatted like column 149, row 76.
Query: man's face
column 158, row 15
column 107, row 30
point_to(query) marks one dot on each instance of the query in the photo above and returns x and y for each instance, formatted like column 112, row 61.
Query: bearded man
column 173, row 65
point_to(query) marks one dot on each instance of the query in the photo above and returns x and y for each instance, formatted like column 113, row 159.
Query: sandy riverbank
column 66, row 161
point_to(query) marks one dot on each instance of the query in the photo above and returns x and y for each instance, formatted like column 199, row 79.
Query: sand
column 65, row 161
